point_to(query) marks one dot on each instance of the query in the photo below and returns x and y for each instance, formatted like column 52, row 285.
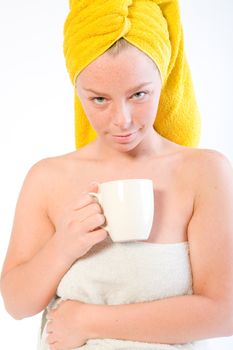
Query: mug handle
column 98, row 196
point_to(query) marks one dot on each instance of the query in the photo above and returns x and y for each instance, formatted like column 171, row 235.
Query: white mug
column 128, row 206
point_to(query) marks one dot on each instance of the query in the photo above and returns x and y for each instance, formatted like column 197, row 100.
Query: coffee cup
column 128, row 206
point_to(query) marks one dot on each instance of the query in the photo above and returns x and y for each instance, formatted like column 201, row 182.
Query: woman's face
column 120, row 96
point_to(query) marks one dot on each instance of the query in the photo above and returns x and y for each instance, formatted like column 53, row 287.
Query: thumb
column 93, row 187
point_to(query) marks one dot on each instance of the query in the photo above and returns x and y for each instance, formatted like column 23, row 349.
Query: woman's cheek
column 98, row 118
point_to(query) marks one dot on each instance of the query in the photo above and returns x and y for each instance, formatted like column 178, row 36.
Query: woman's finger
column 49, row 327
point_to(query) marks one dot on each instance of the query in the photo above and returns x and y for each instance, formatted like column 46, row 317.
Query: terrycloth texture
column 154, row 27
column 122, row 273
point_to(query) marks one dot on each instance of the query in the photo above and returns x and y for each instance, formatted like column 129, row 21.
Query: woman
column 57, row 234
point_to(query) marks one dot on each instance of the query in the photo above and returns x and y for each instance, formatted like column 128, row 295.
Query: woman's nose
column 122, row 117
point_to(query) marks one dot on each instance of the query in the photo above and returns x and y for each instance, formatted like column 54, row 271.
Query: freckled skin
column 117, row 110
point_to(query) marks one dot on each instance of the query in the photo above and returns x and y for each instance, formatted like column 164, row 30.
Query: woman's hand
column 68, row 325
column 79, row 226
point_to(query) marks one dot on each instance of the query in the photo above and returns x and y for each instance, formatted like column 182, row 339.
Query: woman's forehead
column 133, row 65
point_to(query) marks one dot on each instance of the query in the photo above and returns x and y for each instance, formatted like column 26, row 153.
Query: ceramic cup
column 128, row 206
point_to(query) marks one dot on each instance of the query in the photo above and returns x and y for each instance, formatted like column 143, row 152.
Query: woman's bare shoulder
column 203, row 158
column 50, row 166
column 206, row 166
column 45, row 176
column 209, row 158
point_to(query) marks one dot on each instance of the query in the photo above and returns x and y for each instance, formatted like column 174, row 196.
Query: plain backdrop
column 36, row 105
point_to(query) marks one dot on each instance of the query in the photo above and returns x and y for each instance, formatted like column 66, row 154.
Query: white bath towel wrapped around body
column 123, row 273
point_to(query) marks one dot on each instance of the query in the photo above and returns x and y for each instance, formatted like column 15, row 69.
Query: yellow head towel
column 154, row 27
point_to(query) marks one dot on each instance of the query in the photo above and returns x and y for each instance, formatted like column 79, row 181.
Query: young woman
column 164, row 293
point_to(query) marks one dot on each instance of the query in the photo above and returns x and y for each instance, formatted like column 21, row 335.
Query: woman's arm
column 209, row 312
column 171, row 320
column 33, row 266
column 40, row 254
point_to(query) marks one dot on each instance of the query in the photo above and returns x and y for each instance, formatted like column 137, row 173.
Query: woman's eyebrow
column 132, row 89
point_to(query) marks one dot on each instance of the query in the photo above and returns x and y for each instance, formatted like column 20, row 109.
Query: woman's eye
column 98, row 100
column 139, row 94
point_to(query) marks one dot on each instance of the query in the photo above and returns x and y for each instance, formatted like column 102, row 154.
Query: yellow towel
column 154, row 27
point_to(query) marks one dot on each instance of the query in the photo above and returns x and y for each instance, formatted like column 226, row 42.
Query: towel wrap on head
column 154, row 27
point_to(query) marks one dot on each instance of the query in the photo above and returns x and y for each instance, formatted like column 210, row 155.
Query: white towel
column 122, row 273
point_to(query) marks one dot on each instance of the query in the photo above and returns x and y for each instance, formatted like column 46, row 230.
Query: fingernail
column 94, row 183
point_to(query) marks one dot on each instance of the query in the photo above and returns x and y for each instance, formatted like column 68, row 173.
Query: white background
column 36, row 105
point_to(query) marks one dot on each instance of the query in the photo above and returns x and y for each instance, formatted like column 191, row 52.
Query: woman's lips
column 124, row 139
